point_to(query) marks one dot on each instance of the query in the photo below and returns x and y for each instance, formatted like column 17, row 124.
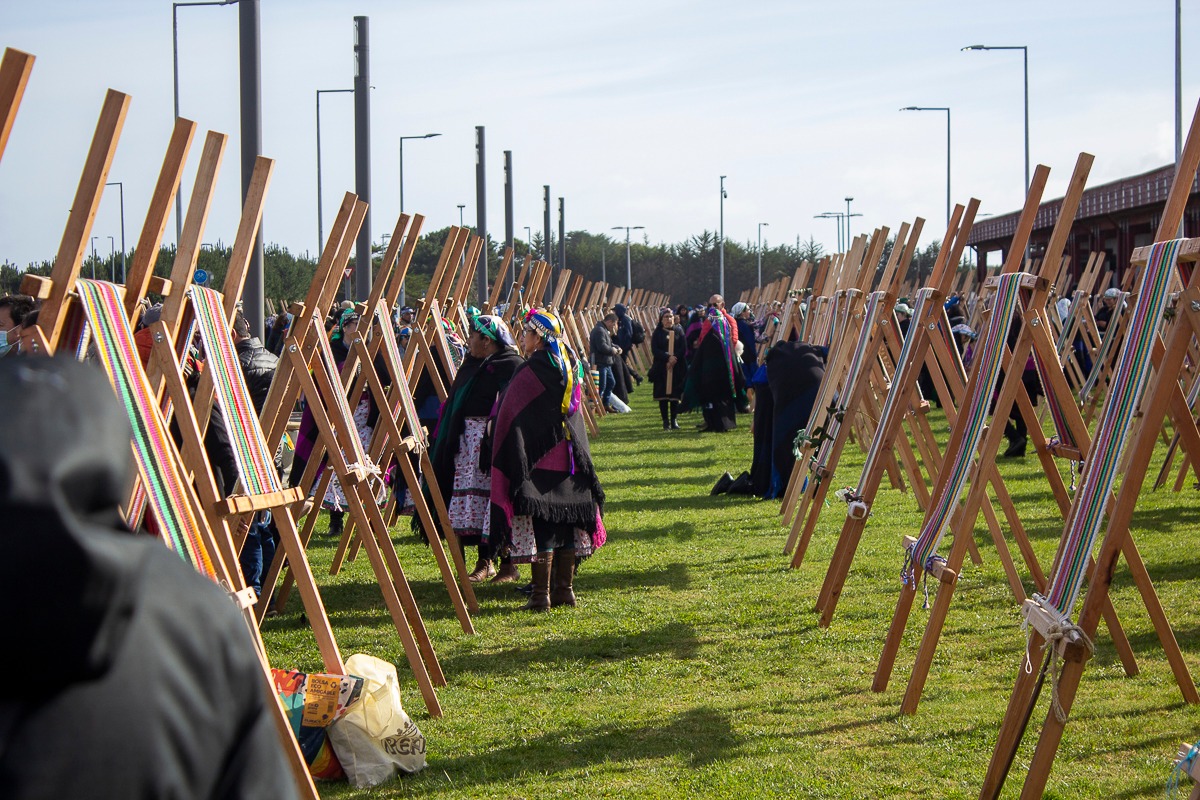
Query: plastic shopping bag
column 375, row 740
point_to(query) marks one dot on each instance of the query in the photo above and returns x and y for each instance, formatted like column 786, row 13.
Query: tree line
column 687, row 271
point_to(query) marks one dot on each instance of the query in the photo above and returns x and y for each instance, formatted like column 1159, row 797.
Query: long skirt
column 470, row 499
column 335, row 498
column 531, row 539
column 721, row 415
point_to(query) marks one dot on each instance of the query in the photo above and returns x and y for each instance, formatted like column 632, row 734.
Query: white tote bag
column 375, row 740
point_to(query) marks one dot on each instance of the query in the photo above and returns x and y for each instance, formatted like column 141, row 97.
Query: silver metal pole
column 175, row 62
column 1025, row 52
column 628, row 263
column 320, row 219
column 721, row 289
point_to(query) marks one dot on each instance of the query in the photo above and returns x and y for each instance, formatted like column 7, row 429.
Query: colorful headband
column 348, row 315
column 493, row 328
column 545, row 324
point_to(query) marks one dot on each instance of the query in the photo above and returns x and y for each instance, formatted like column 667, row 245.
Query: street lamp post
column 947, row 110
column 1025, row 56
column 721, row 290
column 628, row 258
column 848, row 215
column 402, row 138
column 833, row 215
column 461, row 206
column 112, row 259
column 94, row 238
column 760, row 227
column 121, row 191
column 320, row 218
column 175, row 56
column 528, row 239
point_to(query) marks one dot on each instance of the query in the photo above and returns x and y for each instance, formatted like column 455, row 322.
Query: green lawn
column 693, row 665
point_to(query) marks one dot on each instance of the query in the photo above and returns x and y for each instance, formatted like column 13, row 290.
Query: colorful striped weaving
column 1108, row 447
column 255, row 464
column 1106, row 347
column 988, row 358
column 1063, row 430
column 118, row 355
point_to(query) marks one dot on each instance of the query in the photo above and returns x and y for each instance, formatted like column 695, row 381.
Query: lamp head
column 975, row 47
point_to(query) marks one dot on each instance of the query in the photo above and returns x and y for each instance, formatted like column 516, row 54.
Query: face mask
column 5, row 344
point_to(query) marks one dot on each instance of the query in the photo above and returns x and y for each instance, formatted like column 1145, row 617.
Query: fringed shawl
column 541, row 464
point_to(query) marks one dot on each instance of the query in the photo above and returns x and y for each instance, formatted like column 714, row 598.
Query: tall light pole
column 112, row 259
column 94, row 238
column 848, row 215
column 760, row 227
column 121, row 190
column 833, row 215
column 947, row 110
column 1025, row 55
column 402, row 140
column 628, row 259
column 721, row 239
column 175, row 56
column 320, row 218
column 528, row 239
column 461, row 206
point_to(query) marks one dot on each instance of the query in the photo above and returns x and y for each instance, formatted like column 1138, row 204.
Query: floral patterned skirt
column 470, row 499
column 523, row 545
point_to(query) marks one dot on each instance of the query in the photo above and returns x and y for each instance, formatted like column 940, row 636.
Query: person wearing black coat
column 604, row 354
column 667, row 364
column 141, row 679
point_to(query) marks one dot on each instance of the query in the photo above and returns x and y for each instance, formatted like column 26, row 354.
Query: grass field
column 694, row 667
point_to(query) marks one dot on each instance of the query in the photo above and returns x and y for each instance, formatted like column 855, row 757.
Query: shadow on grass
column 701, row 736
column 676, row 639
column 671, row 576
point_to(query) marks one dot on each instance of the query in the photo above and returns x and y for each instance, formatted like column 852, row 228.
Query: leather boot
column 562, row 577
column 539, row 599
column 483, row 570
column 507, row 573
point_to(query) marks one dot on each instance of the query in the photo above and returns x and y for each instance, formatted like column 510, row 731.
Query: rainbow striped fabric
column 987, row 371
column 166, row 493
column 256, row 466
column 1108, row 447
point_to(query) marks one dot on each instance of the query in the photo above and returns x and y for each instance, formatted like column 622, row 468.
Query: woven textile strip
column 871, row 315
column 906, row 375
column 256, row 466
column 1056, row 412
column 1106, row 347
column 118, row 355
column 1125, row 393
column 1008, row 294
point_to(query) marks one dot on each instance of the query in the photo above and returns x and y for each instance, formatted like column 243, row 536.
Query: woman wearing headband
column 458, row 442
column 546, row 498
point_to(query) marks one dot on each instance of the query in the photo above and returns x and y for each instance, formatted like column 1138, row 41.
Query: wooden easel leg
column 1158, row 616
column 1012, row 728
column 314, row 607
column 456, row 547
column 843, row 552
column 891, row 646
column 435, row 545
column 401, row 605
column 1052, row 731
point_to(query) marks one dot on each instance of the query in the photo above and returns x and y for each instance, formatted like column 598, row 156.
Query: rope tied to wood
column 1056, row 634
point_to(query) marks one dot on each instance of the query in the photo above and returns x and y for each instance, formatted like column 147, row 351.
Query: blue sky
column 629, row 110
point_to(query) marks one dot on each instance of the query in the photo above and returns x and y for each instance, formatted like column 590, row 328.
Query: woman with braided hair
column 546, row 498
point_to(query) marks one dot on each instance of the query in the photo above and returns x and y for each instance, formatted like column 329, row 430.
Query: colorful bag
column 312, row 703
